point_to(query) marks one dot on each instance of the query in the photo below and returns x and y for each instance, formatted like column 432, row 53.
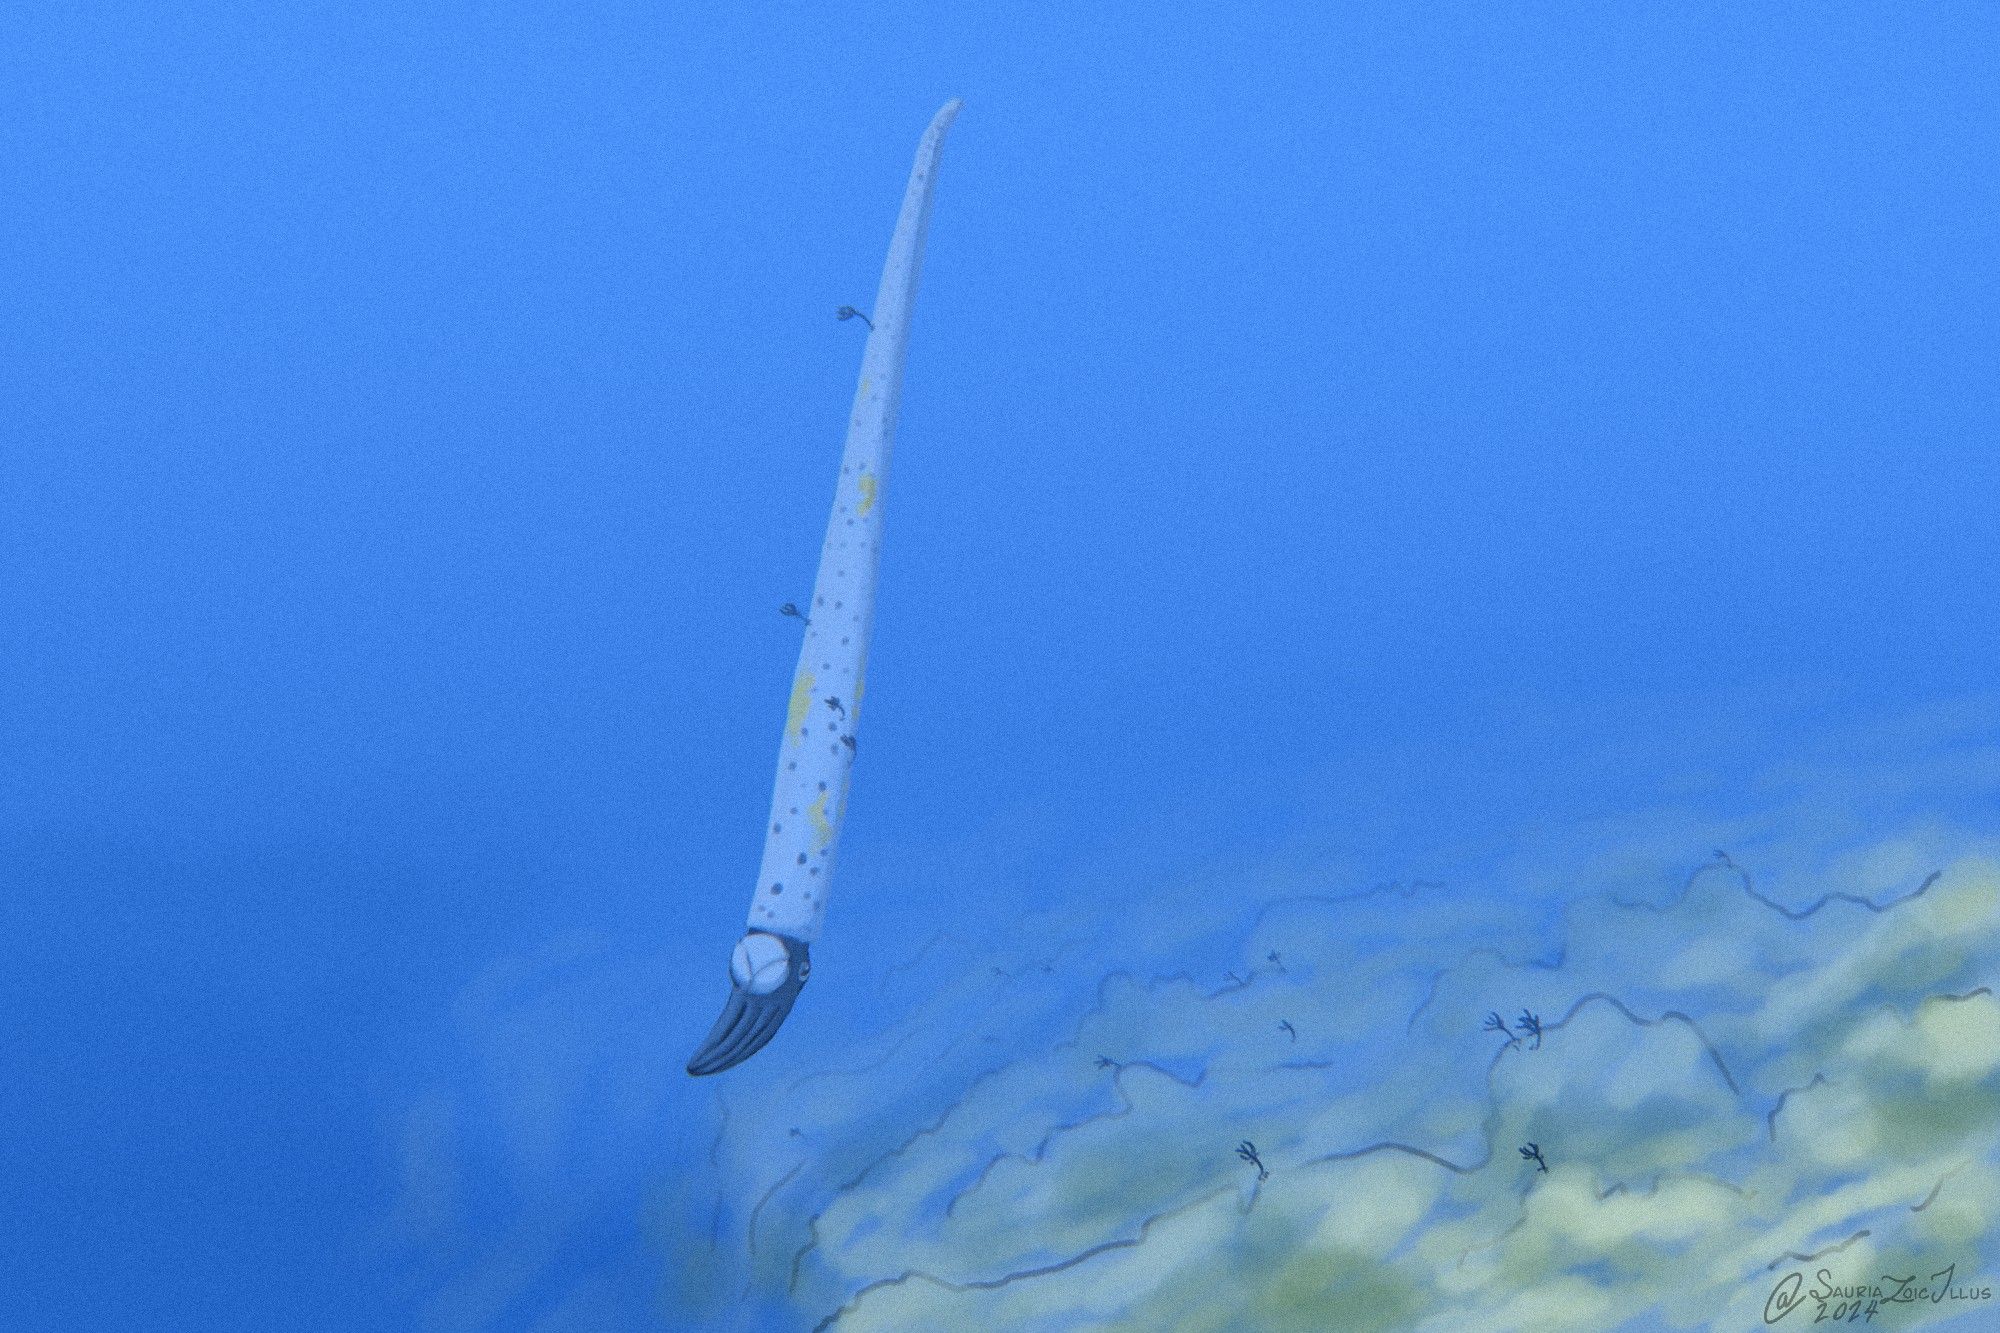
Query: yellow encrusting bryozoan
column 822, row 827
column 801, row 704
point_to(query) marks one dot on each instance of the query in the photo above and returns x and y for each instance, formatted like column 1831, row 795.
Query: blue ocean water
column 1339, row 448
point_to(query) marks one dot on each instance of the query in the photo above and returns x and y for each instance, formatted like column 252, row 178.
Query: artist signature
column 1860, row 1302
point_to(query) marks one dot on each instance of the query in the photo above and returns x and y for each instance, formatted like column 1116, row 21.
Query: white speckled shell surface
column 816, row 756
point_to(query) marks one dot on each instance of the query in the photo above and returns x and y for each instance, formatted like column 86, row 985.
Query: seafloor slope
column 1724, row 1089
